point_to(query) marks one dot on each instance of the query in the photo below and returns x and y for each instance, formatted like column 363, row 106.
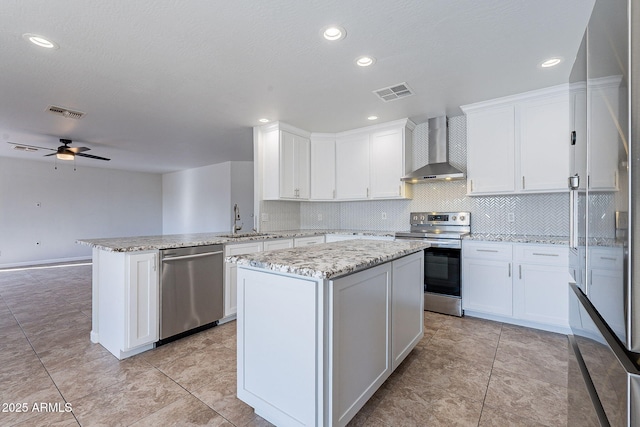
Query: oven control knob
column 421, row 217
column 453, row 218
column 461, row 217
column 415, row 217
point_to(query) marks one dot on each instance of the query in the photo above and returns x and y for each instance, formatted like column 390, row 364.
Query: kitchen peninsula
column 321, row 328
column 126, row 278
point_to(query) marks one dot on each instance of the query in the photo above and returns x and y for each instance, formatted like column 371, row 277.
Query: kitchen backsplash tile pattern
column 490, row 214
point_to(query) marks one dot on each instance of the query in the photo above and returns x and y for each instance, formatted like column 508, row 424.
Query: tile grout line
column 490, row 374
column 38, row 356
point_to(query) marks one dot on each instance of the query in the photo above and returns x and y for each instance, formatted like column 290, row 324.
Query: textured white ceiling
column 170, row 85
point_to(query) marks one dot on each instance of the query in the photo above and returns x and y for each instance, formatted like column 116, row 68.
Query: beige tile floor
column 466, row 371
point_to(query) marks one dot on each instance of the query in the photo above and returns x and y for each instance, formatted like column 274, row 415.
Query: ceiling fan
column 63, row 152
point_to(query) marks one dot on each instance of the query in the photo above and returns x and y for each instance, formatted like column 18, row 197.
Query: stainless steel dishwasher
column 191, row 289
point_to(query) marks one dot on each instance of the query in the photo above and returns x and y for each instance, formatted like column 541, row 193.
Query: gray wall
column 201, row 200
column 89, row 202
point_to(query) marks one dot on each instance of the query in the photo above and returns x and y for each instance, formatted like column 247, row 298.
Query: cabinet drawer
column 242, row 248
column 606, row 258
column 487, row 250
column 541, row 254
column 306, row 241
column 270, row 245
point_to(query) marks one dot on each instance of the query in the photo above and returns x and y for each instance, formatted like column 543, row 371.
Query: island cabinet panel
column 312, row 351
column 407, row 307
column 360, row 306
column 142, row 300
column 277, row 358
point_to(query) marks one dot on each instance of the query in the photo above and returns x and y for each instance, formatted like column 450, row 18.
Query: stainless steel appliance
column 443, row 231
column 191, row 289
column 605, row 217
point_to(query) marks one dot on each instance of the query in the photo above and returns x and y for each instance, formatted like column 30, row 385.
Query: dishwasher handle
column 175, row 258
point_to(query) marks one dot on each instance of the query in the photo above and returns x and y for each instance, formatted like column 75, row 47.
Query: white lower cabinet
column 307, row 241
column 541, row 285
column 487, row 278
column 230, row 273
column 271, row 245
column 517, row 283
column 125, row 317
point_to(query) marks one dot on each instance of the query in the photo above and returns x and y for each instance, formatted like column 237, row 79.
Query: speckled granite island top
column 330, row 260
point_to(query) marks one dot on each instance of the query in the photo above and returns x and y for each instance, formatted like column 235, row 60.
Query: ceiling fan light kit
column 63, row 152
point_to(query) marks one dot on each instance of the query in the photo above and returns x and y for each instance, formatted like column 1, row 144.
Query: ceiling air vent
column 391, row 93
column 23, row 148
column 64, row 112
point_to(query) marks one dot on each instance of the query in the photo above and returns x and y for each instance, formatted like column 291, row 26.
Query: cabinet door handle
column 520, row 271
column 523, row 182
column 608, row 258
column 155, row 262
column 486, row 250
column 367, row 191
column 509, row 269
column 543, row 254
column 334, row 193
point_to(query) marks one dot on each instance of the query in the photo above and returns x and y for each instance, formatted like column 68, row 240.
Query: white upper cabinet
column 360, row 164
column 352, row 167
column 520, row 143
column 285, row 163
column 388, row 153
column 545, row 141
column 294, row 166
column 370, row 162
column 323, row 167
column 491, row 150
column 604, row 135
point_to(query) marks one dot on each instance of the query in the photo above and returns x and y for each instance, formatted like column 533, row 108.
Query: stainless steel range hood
column 438, row 167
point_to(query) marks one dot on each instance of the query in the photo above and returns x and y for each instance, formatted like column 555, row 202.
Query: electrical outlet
column 384, row 215
column 320, row 217
column 511, row 217
column 265, row 217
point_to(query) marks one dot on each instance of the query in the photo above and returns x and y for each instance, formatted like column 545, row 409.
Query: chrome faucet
column 236, row 218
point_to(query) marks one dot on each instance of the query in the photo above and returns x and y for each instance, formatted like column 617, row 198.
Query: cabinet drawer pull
column 608, row 258
column 486, row 250
column 543, row 254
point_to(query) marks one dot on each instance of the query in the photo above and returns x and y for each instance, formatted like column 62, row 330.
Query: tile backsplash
column 533, row 214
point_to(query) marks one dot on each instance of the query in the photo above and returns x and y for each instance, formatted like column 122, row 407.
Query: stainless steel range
column 444, row 232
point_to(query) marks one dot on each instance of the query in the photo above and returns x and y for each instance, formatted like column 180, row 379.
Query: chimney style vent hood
column 438, row 167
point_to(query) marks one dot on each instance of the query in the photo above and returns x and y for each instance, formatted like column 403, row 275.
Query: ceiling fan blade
column 52, row 154
column 31, row 146
column 91, row 156
column 78, row 149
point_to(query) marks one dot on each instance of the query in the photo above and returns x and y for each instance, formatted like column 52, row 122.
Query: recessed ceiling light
column 372, row 118
column 41, row 41
column 551, row 62
column 334, row 33
column 365, row 61
column 263, row 120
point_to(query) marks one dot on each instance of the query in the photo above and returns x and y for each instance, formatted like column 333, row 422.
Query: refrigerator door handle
column 574, row 183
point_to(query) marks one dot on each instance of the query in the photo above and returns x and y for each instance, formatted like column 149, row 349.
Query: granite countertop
column 170, row 241
column 330, row 260
column 518, row 238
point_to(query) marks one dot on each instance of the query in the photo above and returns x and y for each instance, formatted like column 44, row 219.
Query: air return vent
column 391, row 93
column 64, row 112
column 23, row 148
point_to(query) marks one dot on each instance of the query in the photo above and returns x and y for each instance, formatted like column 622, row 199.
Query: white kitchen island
column 321, row 328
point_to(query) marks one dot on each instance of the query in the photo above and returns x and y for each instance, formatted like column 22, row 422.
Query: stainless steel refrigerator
column 605, row 218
